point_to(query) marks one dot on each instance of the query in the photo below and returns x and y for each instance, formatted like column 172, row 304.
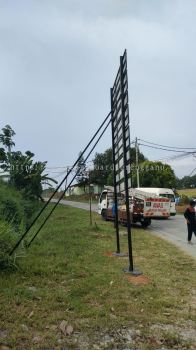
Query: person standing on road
column 190, row 217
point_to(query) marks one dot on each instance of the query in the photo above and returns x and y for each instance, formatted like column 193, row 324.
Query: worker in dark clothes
column 190, row 217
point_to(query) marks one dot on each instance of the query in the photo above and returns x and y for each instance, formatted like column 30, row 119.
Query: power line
column 176, row 147
column 175, row 157
column 192, row 172
column 165, row 149
column 64, row 167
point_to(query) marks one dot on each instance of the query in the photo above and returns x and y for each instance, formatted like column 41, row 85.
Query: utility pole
column 137, row 162
column 90, row 199
column 66, row 179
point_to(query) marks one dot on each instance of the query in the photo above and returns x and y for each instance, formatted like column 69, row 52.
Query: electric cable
column 64, row 167
column 192, row 172
column 156, row 144
column 176, row 157
column 165, row 149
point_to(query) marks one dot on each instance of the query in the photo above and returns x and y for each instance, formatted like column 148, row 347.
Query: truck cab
column 106, row 200
column 103, row 203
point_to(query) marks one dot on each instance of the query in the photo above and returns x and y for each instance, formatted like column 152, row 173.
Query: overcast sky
column 59, row 59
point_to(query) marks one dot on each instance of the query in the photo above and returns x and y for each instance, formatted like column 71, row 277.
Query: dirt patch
column 60, row 218
column 109, row 254
column 138, row 280
column 193, row 299
column 162, row 337
column 186, row 331
column 113, row 254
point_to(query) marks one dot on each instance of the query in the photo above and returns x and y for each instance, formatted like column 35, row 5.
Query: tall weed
column 7, row 241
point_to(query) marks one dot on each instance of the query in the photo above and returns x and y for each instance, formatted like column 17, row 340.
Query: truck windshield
column 103, row 196
column 167, row 195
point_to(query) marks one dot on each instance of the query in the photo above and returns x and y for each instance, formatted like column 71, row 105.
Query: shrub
column 7, row 241
column 30, row 210
column 184, row 200
column 11, row 206
column 16, row 214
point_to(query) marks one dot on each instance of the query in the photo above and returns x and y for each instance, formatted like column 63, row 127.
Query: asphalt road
column 173, row 230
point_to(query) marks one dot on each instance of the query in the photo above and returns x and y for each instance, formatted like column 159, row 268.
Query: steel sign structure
column 120, row 124
column 121, row 148
column 119, row 118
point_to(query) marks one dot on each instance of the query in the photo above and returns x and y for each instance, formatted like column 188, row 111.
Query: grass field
column 84, row 198
column 68, row 275
column 189, row 192
column 180, row 209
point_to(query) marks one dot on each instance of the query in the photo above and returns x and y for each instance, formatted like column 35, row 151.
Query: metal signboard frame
column 121, row 149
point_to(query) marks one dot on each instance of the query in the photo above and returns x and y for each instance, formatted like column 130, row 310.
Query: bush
column 7, row 241
column 15, row 209
column 16, row 214
column 184, row 200
column 30, row 210
column 11, row 206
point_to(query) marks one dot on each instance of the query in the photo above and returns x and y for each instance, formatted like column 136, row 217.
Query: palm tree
column 6, row 137
column 28, row 176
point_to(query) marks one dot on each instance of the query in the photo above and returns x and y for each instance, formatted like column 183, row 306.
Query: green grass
column 84, row 198
column 189, row 192
column 180, row 209
column 66, row 276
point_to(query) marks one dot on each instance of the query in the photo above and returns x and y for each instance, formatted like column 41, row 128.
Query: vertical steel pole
column 130, row 268
column 137, row 163
column 114, row 177
column 90, row 201
column 66, row 177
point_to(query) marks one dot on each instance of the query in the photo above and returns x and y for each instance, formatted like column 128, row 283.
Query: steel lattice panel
column 120, row 124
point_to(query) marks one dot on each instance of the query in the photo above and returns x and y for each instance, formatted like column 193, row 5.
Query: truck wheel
column 123, row 223
column 146, row 223
column 104, row 214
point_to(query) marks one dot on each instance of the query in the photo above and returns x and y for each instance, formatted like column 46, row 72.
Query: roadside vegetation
column 187, row 182
column 16, row 213
column 70, row 293
column 83, row 198
column 21, row 181
column 188, row 192
column 185, row 195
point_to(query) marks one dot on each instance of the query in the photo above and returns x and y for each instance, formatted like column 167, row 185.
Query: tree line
column 152, row 174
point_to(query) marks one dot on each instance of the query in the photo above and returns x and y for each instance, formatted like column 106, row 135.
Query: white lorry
column 144, row 206
column 162, row 192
